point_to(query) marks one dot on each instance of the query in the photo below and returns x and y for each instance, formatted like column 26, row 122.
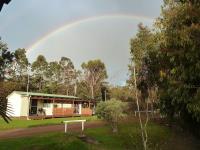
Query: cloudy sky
column 79, row 29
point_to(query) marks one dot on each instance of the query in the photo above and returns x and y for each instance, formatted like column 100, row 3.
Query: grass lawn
column 128, row 138
column 18, row 123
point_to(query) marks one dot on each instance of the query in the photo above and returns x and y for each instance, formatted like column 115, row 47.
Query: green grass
column 128, row 138
column 18, row 123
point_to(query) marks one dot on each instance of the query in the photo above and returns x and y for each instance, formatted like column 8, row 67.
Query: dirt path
column 25, row 132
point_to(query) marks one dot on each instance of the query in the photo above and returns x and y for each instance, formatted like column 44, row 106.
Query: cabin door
column 77, row 108
column 33, row 107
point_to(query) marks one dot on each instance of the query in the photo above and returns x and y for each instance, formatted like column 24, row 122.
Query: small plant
column 111, row 111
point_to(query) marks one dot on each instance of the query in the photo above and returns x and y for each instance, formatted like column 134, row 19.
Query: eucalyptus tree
column 6, row 59
column 39, row 71
column 143, row 45
column 180, row 94
column 94, row 73
column 53, row 77
column 20, row 68
column 67, row 75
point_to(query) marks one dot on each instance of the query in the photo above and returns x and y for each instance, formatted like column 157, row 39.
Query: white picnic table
column 69, row 121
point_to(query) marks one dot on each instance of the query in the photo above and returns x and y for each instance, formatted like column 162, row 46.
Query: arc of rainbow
column 77, row 22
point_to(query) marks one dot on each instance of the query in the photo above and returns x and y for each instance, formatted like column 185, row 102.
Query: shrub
column 111, row 111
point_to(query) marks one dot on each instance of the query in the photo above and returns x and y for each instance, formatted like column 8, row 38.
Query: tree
column 179, row 89
column 105, row 91
column 123, row 93
column 111, row 111
column 21, row 63
column 39, row 69
column 68, row 75
column 20, row 68
column 143, row 47
column 94, row 74
column 6, row 59
column 53, row 77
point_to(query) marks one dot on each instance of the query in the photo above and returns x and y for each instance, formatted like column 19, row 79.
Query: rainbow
column 73, row 23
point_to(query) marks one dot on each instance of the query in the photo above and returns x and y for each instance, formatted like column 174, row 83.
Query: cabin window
column 85, row 105
column 47, row 103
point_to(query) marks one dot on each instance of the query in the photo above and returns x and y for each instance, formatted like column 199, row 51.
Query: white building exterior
column 19, row 104
column 25, row 104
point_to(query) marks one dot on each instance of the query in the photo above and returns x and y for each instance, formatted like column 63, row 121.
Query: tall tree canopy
column 20, row 64
column 6, row 59
column 94, row 74
column 39, row 68
column 68, row 75
column 144, row 48
column 180, row 28
column 172, row 61
column 53, row 77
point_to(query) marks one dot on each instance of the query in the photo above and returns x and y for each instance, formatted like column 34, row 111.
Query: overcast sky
column 78, row 29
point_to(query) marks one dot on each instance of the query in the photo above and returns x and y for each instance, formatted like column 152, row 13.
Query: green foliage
column 39, row 68
column 168, row 58
column 6, row 59
column 21, row 62
column 49, row 77
column 111, row 111
column 173, row 63
column 20, row 67
column 143, row 43
column 144, row 53
column 180, row 28
column 67, row 75
column 94, row 74
column 105, row 91
column 122, row 93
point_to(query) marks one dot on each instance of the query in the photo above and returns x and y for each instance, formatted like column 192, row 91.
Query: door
column 76, row 108
column 33, row 107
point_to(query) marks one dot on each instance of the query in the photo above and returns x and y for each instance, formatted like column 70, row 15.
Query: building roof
column 44, row 95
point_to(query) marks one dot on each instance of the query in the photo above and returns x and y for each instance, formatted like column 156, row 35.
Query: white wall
column 63, row 105
column 49, row 109
column 14, row 101
column 67, row 105
column 24, row 106
column 20, row 105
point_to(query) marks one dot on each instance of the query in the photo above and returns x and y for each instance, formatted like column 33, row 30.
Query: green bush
column 111, row 111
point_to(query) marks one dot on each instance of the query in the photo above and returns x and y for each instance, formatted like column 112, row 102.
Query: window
column 85, row 105
column 47, row 104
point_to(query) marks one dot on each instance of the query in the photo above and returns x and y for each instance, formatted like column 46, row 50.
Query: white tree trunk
column 142, row 127
column 92, row 91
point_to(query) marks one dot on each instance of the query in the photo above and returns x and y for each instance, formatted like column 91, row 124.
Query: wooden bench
column 69, row 121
